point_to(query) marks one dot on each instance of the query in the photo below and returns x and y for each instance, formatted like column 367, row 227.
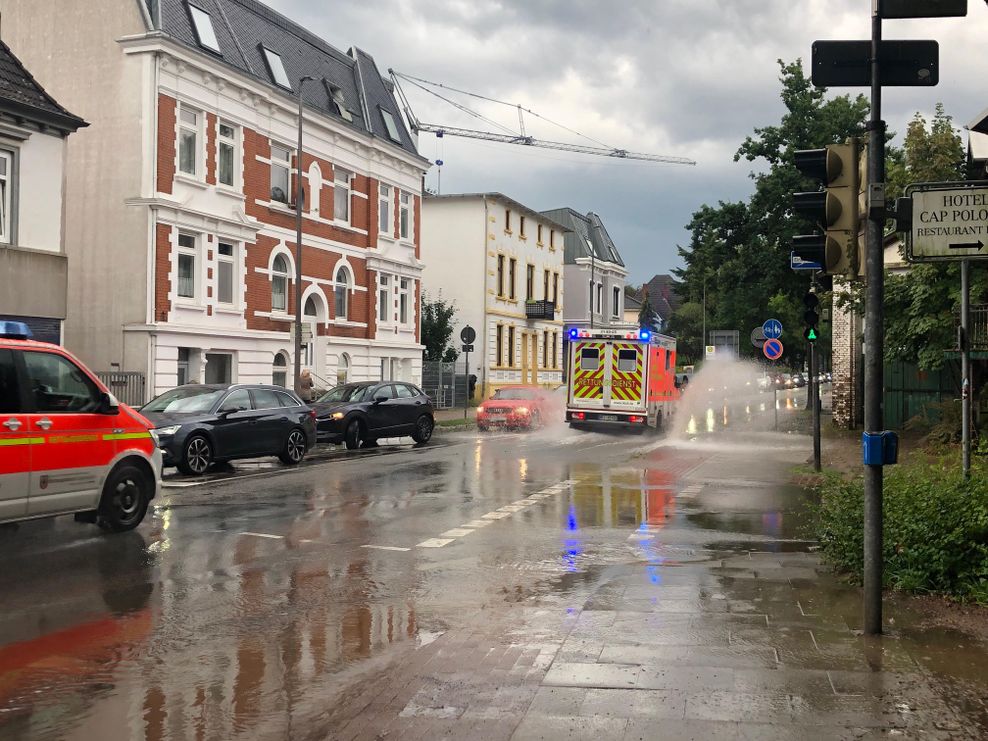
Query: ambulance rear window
column 589, row 358
column 627, row 360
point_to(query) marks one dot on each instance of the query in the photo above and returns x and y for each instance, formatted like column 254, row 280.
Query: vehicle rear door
column 589, row 370
column 74, row 443
column 15, row 441
column 408, row 405
column 235, row 427
column 627, row 377
column 273, row 422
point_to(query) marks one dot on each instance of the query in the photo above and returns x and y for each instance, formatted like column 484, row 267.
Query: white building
column 180, row 225
column 501, row 264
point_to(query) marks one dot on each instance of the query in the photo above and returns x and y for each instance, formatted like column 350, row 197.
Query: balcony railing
column 979, row 327
column 540, row 309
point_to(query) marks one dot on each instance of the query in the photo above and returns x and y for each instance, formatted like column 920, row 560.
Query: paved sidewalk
column 714, row 621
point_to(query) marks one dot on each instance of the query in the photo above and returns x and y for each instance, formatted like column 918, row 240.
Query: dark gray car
column 201, row 424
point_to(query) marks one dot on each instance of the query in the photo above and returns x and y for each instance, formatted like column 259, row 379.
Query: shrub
column 935, row 528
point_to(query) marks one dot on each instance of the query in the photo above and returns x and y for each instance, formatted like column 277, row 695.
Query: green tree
column 646, row 315
column 437, row 329
column 686, row 325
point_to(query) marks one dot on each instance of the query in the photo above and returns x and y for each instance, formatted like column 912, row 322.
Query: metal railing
column 979, row 327
column 128, row 386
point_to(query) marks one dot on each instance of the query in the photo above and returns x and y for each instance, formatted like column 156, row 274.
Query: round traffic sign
column 758, row 337
column 772, row 349
column 468, row 334
column 772, row 328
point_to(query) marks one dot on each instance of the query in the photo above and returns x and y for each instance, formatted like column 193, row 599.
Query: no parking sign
column 772, row 349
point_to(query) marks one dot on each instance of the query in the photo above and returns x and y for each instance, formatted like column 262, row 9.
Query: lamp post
column 298, row 242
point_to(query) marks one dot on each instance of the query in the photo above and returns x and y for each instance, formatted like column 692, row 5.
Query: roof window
column 337, row 100
column 390, row 125
column 277, row 69
column 203, row 24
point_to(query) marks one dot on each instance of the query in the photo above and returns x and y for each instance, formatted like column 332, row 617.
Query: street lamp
column 298, row 242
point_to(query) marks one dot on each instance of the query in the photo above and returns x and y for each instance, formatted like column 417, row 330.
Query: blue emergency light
column 574, row 333
column 645, row 335
column 15, row 330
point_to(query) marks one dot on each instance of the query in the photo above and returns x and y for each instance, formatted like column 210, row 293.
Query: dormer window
column 203, row 24
column 337, row 101
column 391, row 126
column 276, row 68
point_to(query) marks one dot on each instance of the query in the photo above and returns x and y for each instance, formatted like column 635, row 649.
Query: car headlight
column 522, row 410
column 337, row 415
column 166, row 431
column 154, row 437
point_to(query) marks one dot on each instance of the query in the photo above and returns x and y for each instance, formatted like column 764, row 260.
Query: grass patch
column 455, row 422
column 935, row 527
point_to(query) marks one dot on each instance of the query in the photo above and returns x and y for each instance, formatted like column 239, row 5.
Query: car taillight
column 579, row 416
column 636, row 420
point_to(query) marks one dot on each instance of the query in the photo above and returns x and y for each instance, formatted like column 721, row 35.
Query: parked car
column 67, row 446
column 517, row 407
column 357, row 414
column 201, row 424
column 798, row 380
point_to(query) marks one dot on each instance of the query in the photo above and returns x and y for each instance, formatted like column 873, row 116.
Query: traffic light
column 811, row 317
column 836, row 210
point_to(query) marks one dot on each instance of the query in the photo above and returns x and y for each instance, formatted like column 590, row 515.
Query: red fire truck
column 620, row 378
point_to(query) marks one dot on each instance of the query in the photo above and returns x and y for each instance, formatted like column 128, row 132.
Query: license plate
column 497, row 419
column 609, row 417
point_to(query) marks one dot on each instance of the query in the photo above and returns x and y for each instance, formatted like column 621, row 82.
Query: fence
column 444, row 384
column 127, row 386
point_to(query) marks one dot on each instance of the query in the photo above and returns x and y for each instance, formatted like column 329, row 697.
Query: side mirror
column 379, row 398
column 107, row 404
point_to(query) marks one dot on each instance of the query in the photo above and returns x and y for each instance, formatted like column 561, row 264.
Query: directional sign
column 468, row 334
column 773, row 349
column 468, row 348
column 758, row 337
column 848, row 63
column 772, row 328
column 798, row 263
column 949, row 224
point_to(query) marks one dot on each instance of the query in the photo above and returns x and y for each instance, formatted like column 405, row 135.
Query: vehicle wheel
column 197, row 455
column 294, row 450
column 536, row 422
column 424, row 426
column 354, row 432
column 126, row 495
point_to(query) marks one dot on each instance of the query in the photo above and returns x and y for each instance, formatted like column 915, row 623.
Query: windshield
column 185, row 400
column 514, row 394
column 346, row 393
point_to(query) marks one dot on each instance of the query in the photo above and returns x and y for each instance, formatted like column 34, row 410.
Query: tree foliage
column 738, row 252
column 646, row 315
column 437, row 329
column 687, row 326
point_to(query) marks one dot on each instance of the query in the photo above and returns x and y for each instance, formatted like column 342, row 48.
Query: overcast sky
column 686, row 78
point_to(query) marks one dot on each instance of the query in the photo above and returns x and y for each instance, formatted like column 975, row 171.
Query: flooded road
column 545, row 585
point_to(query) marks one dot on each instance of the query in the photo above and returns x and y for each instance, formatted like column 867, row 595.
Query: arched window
column 279, row 284
column 310, row 314
column 341, row 291
column 311, row 311
column 343, row 369
column 279, row 370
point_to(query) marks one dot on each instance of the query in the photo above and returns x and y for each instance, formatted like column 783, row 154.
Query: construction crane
column 508, row 136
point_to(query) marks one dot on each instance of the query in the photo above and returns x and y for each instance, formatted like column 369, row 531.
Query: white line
column 385, row 548
column 477, row 523
column 434, row 543
column 457, row 532
column 495, row 515
column 265, row 535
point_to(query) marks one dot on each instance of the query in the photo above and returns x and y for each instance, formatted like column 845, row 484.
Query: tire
column 295, row 448
column 126, row 495
column 424, row 426
column 197, row 456
column 353, row 435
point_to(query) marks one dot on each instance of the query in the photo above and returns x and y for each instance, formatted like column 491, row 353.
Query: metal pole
column 298, row 244
column 966, row 367
column 593, row 292
column 874, row 336
column 703, row 341
column 815, row 401
column 466, row 390
column 775, row 403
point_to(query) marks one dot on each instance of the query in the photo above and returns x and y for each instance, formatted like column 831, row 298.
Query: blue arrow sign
column 772, row 349
column 772, row 329
column 798, row 263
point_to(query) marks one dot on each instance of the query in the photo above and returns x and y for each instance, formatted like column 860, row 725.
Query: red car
column 515, row 407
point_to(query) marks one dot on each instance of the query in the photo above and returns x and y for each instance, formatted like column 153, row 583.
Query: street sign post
column 772, row 329
column 848, row 63
column 772, row 349
column 711, row 350
column 798, row 263
column 948, row 223
column 468, row 334
column 758, row 337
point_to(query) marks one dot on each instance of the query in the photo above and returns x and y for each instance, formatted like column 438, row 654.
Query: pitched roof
column 511, row 203
column 631, row 302
column 244, row 28
column 586, row 233
column 663, row 288
column 21, row 95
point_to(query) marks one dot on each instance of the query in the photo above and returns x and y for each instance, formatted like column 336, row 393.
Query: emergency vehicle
column 620, row 378
column 67, row 446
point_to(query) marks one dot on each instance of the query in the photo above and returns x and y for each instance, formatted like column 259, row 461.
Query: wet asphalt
column 555, row 584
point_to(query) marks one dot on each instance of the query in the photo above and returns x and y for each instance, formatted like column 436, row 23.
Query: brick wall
column 166, row 142
column 162, row 269
column 211, row 148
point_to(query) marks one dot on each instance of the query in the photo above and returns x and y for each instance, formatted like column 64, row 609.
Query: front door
column 235, row 431
column 15, row 443
column 273, row 422
column 75, row 442
column 384, row 413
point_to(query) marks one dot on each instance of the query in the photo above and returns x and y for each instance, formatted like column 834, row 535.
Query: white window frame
column 337, row 101
column 275, row 275
column 196, row 130
column 282, row 164
column 276, row 67
column 405, row 215
column 279, row 369
column 385, row 201
column 9, row 183
column 184, row 250
column 202, row 22
column 231, row 261
column 385, row 304
column 232, row 144
column 394, row 134
column 342, row 185
column 341, row 289
column 404, row 304
column 600, row 298
column 616, row 302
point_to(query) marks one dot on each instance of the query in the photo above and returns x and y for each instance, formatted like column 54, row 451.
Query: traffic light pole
column 874, row 351
column 815, row 401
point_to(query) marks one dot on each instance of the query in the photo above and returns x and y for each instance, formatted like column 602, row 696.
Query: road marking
column 495, row 515
column 477, row 523
column 511, row 508
column 265, row 535
column 386, row 547
column 434, row 543
column 457, row 532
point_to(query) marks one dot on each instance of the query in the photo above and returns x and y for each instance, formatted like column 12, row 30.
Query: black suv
column 360, row 413
column 200, row 424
